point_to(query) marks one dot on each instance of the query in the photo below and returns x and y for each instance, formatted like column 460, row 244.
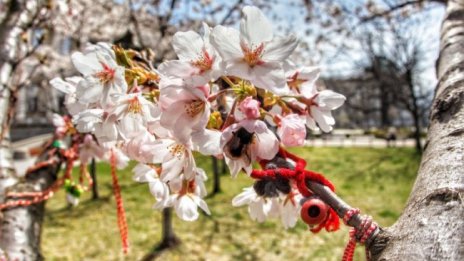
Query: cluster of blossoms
column 231, row 93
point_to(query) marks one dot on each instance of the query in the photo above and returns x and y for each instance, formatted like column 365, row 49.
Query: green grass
column 377, row 181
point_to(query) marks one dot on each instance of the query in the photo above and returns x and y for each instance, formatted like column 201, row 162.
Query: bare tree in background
column 397, row 58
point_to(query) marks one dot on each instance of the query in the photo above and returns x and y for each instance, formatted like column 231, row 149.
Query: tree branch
column 396, row 8
column 374, row 242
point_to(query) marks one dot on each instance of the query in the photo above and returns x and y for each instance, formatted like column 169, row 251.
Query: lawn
column 377, row 181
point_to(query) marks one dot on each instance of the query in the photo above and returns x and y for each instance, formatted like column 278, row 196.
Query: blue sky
column 288, row 17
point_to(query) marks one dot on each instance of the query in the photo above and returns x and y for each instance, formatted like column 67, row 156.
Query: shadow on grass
column 167, row 244
column 84, row 207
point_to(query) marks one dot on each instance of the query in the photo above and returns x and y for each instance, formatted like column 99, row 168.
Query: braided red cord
column 37, row 196
column 122, row 222
column 366, row 228
column 85, row 175
column 40, row 165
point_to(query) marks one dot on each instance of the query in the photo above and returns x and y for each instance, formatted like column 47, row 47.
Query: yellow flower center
column 135, row 106
column 188, row 187
column 252, row 56
column 177, row 150
column 204, row 62
column 193, row 108
column 106, row 75
column 294, row 83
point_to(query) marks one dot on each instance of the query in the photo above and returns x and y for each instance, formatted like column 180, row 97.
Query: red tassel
column 122, row 222
column 350, row 247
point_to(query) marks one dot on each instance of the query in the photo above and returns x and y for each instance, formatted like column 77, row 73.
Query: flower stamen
column 135, row 106
column 204, row 61
column 106, row 75
column 294, row 83
column 252, row 56
column 194, row 108
column 177, row 150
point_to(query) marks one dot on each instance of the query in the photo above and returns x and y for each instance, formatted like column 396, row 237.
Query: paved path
column 359, row 141
column 333, row 141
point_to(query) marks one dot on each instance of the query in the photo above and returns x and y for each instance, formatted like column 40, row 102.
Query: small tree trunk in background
column 224, row 166
column 169, row 238
column 93, row 171
column 431, row 226
column 414, row 109
column 417, row 130
column 216, row 176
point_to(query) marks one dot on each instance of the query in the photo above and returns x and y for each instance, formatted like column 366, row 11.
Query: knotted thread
column 35, row 197
column 360, row 234
column 122, row 222
column 300, row 175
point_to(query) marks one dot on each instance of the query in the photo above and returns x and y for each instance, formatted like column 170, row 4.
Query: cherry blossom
column 102, row 75
column 187, row 200
column 121, row 159
column 62, row 124
column 259, row 208
column 306, row 76
column 175, row 158
column 198, row 61
column 133, row 113
column 254, row 53
column 292, row 130
column 185, row 109
column 68, row 86
column 250, row 108
column 98, row 122
column 246, row 141
column 319, row 107
column 316, row 104
column 149, row 174
column 216, row 99
column 141, row 147
column 289, row 209
column 90, row 149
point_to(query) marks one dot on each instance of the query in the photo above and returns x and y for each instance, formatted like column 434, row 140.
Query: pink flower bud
column 250, row 108
column 292, row 130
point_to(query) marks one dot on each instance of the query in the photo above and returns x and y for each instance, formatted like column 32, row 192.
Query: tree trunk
column 417, row 128
column 432, row 224
column 169, row 238
column 216, row 176
column 223, row 166
column 93, row 172
column 21, row 227
column 413, row 107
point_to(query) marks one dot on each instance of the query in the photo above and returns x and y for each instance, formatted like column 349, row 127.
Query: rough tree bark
column 20, row 227
column 432, row 224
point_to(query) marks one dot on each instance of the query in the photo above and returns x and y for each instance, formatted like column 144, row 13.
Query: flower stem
column 228, row 81
column 230, row 117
